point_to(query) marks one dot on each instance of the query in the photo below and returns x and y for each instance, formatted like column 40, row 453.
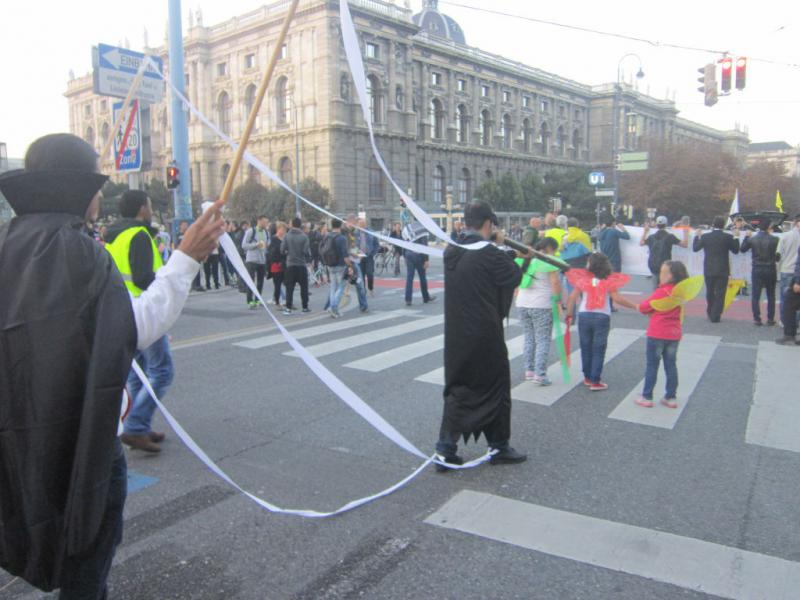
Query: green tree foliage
column 572, row 186
column 252, row 199
column 112, row 192
column 534, row 195
column 489, row 192
column 160, row 196
column 511, row 197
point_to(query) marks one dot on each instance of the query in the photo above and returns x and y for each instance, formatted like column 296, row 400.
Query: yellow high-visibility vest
column 120, row 250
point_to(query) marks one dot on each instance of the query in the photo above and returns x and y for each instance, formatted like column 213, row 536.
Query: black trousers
column 211, row 267
column 368, row 271
column 764, row 278
column 277, row 282
column 85, row 575
column 296, row 275
column 716, row 286
column 791, row 304
column 257, row 273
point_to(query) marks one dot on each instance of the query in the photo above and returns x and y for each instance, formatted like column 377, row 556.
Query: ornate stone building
column 446, row 113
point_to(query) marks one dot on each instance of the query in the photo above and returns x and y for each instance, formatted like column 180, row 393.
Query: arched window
column 375, row 99
column 249, row 100
column 464, row 187
column 577, row 143
column 487, row 175
column 104, row 130
column 544, row 138
column 526, row 135
column 436, row 120
column 89, row 136
column 285, row 170
column 226, row 168
column 438, row 185
column 283, row 101
column 485, row 125
column 399, row 98
column 377, row 191
column 462, row 132
column 508, row 132
column 561, row 141
column 224, row 112
column 344, row 87
column 253, row 174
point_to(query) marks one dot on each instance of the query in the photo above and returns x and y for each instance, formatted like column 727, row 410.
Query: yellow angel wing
column 665, row 304
column 688, row 289
column 734, row 285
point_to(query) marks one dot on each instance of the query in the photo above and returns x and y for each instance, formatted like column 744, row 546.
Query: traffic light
column 709, row 81
column 741, row 72
column 173, row 177
column 727, row 70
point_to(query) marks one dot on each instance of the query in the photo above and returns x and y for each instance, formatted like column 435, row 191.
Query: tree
column 572, row 186
column 160, row 197
column 489, row 192
column 534, row 196
column 252, row 199
column 112, row 193
column 510, row 194
column 248, row 201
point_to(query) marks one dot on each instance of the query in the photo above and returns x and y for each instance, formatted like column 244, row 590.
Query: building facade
column 776, row 152
column 447, row 116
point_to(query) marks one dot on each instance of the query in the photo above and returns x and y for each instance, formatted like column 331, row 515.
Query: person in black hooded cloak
column 68, row 331
column 479, row 290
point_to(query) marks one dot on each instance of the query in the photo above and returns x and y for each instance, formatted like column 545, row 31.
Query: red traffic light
column 727, row 70
column 741, row 72
column 173, row 177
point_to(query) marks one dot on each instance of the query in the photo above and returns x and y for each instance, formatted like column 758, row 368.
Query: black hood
column 453, row 254
column 51, row 191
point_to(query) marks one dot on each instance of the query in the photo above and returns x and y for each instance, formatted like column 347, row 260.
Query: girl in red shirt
column 663, row 336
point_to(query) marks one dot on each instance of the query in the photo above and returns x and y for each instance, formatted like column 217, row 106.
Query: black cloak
column 479, row 291
column 67, row 337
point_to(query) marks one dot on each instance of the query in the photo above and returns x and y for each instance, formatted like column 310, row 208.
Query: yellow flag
column 778, row 201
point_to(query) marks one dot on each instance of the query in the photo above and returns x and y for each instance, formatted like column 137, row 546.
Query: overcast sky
column 41, row 41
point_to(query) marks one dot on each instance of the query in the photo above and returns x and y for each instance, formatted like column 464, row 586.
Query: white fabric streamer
column 337, row 386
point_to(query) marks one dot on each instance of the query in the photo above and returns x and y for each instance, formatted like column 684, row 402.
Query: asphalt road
column 700, row 505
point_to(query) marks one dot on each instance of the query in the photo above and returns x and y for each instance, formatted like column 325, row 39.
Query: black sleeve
column 733, row 245
column 141, row 259
column 745, row 245
column 697, row 244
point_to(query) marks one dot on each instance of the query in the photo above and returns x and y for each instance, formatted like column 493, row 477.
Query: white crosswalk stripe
column 694, row 355
column 395, row 356
column 775, row 413
column 370, row 337
column 618, row 341
column 335, row 326
column 687, row 562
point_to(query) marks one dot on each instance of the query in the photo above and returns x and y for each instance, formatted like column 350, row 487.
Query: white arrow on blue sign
column 115, row 69
column 597, row 178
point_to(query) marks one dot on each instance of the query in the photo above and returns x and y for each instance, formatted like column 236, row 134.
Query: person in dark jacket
column 296, row 249
column 791, row 304
column 764, row 274
column 417, row 263
column 718, row 245
column 276, row 260
column 477, row 394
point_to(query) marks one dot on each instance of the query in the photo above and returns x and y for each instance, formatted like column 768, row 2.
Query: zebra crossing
column 771, row 423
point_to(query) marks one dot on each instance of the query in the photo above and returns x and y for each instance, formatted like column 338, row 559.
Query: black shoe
column 758, row 323
column 430, row 299
column 787, row 340
column 509, row 456
column 771, row 323
column 199, row 289
column 453, row 460
column 714, row 320
column 408, row 303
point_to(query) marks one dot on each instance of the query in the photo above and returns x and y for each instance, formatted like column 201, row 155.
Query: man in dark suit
column 716, row 266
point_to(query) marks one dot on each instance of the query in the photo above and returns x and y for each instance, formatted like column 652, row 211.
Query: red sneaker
column 642, row 401
column 586, row 382
column 669, row 402
column 598, row 387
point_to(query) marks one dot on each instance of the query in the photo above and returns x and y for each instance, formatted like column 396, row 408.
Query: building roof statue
column 435, row 23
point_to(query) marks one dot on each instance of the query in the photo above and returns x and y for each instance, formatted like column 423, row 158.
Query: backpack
column 328, row 250
column 660, row 251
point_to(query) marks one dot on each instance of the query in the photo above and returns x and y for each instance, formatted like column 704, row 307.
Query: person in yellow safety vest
column 133, row 248
column 557, row 231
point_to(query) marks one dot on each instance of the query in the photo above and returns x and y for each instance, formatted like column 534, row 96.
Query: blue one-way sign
column 115, row 69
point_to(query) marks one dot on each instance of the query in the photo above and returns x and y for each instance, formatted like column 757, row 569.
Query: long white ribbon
column 336, row 385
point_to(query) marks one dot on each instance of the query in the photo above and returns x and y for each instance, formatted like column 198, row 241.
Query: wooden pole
column 126, row 103
column 262, row 90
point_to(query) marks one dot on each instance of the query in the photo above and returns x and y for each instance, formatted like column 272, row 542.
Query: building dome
column 437, row 24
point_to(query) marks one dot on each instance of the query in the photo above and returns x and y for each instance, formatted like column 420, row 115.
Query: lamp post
column 615, row 119
column 448, row 206
column 296, row 159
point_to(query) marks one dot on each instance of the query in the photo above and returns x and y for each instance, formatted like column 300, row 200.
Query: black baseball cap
column 476, row 214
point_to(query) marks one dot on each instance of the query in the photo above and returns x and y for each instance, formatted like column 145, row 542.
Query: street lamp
column 615, row 117
column 448, row 206
column 296, row 158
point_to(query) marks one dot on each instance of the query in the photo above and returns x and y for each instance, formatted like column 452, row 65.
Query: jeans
column 784, row 284
column 537, row 324
column 416, row 263
column 156, row 362
column 716, row 287
column 85, row 574
column 656, row 349
column 368, row 269
column 296, row 275
column 337, row 286
column 593, row 330
column 257, row 273
column 211, row 268
column 764, row 277
column 360, row 287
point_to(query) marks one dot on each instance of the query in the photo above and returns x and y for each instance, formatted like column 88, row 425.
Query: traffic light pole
column 180, row 133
